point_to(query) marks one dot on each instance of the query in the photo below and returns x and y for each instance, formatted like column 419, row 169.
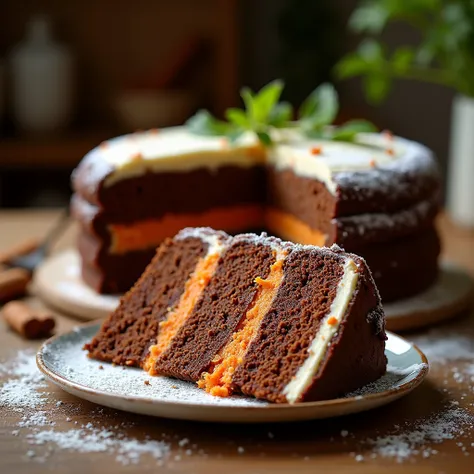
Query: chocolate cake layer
column 365, row 229
column 403, row 267
column 307, row 199
column 127, row 334
column 404, row 282
column 155, row 194
column 218, row 312
column 286, row 332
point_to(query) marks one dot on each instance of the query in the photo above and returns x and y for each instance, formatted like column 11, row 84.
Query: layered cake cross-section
column 250, row 314
column 377, row 197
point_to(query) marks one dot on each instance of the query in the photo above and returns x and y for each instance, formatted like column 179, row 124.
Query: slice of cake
column 251, row 314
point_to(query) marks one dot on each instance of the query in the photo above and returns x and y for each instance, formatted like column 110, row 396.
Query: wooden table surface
column 295, row 447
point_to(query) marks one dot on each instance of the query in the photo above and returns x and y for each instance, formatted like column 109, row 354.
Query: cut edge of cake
column 223, row 358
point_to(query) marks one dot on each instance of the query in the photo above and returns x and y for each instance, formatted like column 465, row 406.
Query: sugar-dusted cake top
column 179, row 150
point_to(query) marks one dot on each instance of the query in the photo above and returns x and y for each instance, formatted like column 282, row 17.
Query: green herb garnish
column 263, row 113
column 442, row 53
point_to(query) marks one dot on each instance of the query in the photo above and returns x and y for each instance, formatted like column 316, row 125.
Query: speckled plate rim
column 231, row 414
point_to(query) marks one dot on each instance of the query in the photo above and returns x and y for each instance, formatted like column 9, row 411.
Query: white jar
column 42, row 80
column 460, row 189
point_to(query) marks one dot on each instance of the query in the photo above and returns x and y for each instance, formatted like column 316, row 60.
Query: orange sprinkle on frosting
column 316, row 150
column 372, row 163
column 390, row 151
column 332, row 321
column 388, row 134
column 137, row 157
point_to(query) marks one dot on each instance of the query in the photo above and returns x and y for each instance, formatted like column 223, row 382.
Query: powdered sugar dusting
column 413, row 440
column 25, row 391
column 94, row 440
column 70, row 361
column 451, row 354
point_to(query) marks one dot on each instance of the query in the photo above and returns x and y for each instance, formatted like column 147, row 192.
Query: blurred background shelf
column 55, row 152
column 207, row 49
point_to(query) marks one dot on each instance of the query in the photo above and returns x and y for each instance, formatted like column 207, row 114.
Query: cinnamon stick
column 13, row 282
column 26, row 321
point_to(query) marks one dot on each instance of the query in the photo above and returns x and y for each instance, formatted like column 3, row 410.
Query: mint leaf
column 320, row 108
column 249, row 102
column 234, row 135
column 280, row 115
column 266, row 99
column 349, row 130
column 237, row 117
column 264, row 138
column 203, row 123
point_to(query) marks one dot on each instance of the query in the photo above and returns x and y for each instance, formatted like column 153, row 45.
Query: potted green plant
column 444, row 55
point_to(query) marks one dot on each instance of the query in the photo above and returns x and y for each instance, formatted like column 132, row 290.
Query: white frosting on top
column 320, row 344
column 177, row 150
column 173, row 149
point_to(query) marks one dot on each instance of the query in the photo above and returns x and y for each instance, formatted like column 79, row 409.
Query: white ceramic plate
column 58, row 281
column 65, row 363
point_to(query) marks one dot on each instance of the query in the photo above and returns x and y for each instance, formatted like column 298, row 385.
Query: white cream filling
column 319, row 346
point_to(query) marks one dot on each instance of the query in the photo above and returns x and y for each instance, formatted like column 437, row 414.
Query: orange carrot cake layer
column 148, row 233
column 291, row 228
column 178, row 315
column 218, row 381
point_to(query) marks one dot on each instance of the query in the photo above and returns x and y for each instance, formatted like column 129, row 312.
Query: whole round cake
column 376, row 197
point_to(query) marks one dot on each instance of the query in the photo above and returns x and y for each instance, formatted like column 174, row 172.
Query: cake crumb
column 101, row 367
column 146, row 382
